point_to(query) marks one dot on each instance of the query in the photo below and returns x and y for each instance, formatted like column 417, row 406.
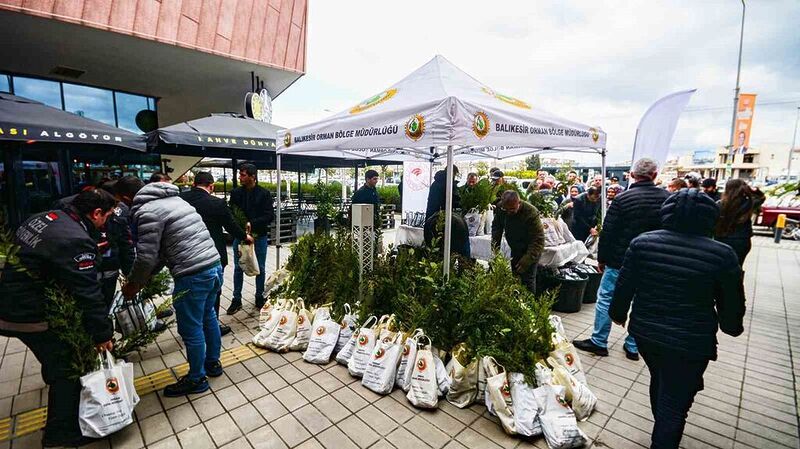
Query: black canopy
column 228, row 130
column 22, row 119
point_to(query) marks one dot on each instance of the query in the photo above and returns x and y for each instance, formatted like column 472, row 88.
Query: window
column 748, row 158
column 90, row 102
column 128, row 106
column 48, row 92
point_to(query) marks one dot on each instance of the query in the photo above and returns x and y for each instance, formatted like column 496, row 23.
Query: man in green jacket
column 520, row 223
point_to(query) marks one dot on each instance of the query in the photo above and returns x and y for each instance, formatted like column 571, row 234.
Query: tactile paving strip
column 34, row 420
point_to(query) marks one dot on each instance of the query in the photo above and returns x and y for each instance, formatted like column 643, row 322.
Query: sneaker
column 185, row 386
column 165, row 314
column 214, row 369
column 630, row 354
column 236, row 305
column 224, row 329
column 588, row 346
column 75, row 442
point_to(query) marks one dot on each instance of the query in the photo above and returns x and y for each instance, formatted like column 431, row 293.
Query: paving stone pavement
column 279, row 401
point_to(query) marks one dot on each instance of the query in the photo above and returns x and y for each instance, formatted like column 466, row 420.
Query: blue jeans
column 197, row 318
column 602, row 322
column 238, row 275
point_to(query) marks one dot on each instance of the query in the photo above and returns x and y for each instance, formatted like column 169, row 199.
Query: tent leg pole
column 448, row 218
column 278, row 216
column 603, row 187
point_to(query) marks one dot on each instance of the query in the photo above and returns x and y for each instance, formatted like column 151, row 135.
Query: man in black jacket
column 520, row 223
column 256, row 204
column 633, row 212
column 216, row 215
column 678, row 306
column 437, row 195
column 57, row 247
column 368, row 194
column 585, row 210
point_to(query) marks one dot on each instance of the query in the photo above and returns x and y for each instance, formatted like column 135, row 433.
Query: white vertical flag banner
column 655, row 130
column 416, row 184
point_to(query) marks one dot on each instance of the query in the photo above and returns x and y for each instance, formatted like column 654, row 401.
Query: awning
column 226, row 130
column 26, row 120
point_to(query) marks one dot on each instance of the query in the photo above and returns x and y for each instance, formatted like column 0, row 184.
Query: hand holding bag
column 247, row 259
column 106, row 405
column 423, row 391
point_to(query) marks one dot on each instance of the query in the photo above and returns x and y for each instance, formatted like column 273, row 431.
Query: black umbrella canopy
column 226, row 130
column 22, row 119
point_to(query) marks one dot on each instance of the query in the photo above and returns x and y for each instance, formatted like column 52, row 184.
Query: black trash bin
column 592, row 284
column 570, row 295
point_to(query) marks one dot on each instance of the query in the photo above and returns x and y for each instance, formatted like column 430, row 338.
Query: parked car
column 789, row 204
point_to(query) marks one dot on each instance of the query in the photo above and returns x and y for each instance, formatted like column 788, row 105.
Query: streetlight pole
column 738, row 72
column 791, row 150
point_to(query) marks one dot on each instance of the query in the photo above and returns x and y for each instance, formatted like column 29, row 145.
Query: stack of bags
column 384, row 358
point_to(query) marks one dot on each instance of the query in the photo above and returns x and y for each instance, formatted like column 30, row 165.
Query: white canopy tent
column 435, row 112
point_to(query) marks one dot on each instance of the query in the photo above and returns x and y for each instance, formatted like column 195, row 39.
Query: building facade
column 109, row 60
column 767, row 162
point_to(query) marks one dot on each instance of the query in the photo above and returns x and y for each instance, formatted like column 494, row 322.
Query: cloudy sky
column 597, row 62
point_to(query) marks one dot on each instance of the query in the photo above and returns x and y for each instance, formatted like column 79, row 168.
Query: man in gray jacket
column 170, row 232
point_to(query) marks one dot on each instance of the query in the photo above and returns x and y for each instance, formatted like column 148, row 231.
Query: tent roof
column 437, row 105
column 225, row 130
column 23, row 119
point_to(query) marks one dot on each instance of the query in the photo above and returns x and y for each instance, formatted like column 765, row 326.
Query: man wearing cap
column 710, row 188
column 368, row 194
column 497, row 178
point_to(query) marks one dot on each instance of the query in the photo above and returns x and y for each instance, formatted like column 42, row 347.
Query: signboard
column 258, row 106
column 744, row 121
column 703, row 157
column 416, row 184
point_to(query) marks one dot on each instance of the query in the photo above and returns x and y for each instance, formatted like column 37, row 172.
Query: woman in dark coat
column 735, row 227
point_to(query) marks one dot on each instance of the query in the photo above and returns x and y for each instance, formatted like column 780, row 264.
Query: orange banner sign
column 744, row 121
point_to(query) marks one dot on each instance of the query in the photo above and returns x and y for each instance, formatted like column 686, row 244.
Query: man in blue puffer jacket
column 684, row 286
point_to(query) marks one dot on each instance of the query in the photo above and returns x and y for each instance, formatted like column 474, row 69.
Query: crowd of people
column 131, row 229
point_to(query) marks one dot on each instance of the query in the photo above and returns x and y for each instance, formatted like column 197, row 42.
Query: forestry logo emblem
column 287, row 139
column 415, row 127
column 505, row 390
column 506, row 99
column 320, row 330
column 595, row 134
column 363, row 340
column 112, row 385
column 480, row 124
column 406, row 349
column 283, row 320
column 569, row 359
column 379, row 353
column 373, row 101
column 300, row 320
column 422, row 364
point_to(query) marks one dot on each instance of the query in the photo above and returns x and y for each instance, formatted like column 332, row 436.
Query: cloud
column 601, row 63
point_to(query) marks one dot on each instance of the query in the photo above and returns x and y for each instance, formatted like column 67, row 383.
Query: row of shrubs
column 387, row 194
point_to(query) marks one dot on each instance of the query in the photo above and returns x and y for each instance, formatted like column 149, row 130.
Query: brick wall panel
column 69, row 8
column 222, row 45
column 45, row 6
column 169, row 16
column 207, row 29
column 284, row 28
column 146, row 17
column 241, row 27
column 294, row 45
column 270, row 31
column 191, row 9
column 255, row 33
column 123, row 14
column 13, row 3
column 301, row 52
column 275, row 4
column 299, row 12
column 187, row 31
column 227, row 13
column 97, row 11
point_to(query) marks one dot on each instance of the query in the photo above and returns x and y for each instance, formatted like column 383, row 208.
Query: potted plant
column 325, row 209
